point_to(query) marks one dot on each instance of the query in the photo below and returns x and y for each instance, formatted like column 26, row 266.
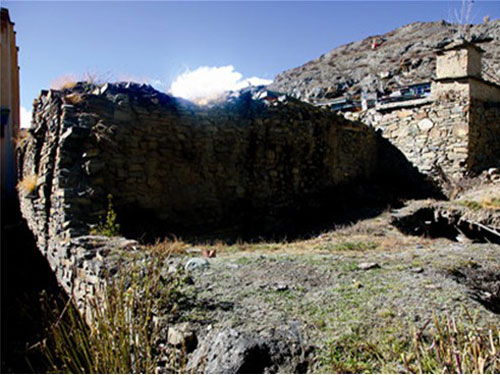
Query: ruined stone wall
column 455, row 131
column 194, row 166
column 431, row 135
column 184, row 164
column 484, row 125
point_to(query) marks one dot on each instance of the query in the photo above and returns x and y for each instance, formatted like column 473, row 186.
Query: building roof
column 460, row 44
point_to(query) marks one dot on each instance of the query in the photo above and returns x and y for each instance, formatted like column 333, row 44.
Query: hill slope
column 405, row 56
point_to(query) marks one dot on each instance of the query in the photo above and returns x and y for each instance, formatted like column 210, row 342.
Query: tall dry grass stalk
column 126, row 323
column 454, row 346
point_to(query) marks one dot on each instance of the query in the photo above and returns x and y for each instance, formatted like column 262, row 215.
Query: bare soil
column 319, row 286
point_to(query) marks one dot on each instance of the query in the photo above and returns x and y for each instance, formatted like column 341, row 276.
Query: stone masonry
column 255, row 152
column 455, row 131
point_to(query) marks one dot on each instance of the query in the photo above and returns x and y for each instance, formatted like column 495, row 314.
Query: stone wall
column 454, row 132
column 254, row 153
column 198, row 165
column 484, row 139
column 432, row 134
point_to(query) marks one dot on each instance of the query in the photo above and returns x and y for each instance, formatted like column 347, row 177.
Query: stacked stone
column 37, row 161
column 432, row 135
column 195, row 165
column 484, row 142
column 256, row 151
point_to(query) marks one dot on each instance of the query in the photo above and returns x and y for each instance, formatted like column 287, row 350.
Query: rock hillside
column 405, row 56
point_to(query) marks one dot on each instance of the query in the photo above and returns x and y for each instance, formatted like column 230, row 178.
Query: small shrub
column 28, row 184
column 108, row 227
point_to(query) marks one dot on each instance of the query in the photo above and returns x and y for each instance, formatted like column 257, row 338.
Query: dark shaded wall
column 183, row 164
column 188, row 165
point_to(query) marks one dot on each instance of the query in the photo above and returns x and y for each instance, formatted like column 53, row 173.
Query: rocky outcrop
column 404, row 56
column 231, row 352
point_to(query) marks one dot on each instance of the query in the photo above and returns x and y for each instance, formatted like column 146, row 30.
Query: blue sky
column 158, row 41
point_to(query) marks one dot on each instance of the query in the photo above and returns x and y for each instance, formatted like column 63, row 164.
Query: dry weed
column 73, row 98
column 22, row 139
column 28, row 184
column 168, row 247
column 67, row 81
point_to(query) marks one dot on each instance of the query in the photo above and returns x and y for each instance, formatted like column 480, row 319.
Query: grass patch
column 489, row 203
column 349, row 246
column 472, row 205
column 242, row 261
column 353, row 353
column 442, row 345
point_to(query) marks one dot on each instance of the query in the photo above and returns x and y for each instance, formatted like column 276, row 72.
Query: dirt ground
column 366, row 282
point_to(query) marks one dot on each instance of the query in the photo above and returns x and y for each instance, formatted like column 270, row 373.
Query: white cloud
column 208, row 83
column 25, row 118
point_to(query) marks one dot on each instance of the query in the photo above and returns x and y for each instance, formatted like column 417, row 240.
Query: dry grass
column 97, row 78
column 68, row 85
column 491, row 203
column 123, row 336
column 28, row 184
column 22, row 139
column 454, row 346
column 444, row 344
column 67, row 81
column 168, row 247
column 73, row 98
column 375, row 234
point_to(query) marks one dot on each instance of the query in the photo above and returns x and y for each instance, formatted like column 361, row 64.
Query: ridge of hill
column 404, row 56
